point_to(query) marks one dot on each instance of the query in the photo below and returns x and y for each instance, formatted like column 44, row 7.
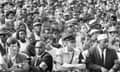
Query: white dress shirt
column 104, row 53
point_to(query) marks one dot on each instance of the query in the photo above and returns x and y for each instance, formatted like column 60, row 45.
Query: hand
column 111, row 70
column 43, row 65
column 104, row 69
column 18, row 65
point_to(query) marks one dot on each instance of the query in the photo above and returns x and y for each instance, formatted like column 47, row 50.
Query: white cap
column 71, row 21
column 111, row 29
column 36, row 23
column 93, row 31
column 92, row 21
column 66, row 13
column 102, row 37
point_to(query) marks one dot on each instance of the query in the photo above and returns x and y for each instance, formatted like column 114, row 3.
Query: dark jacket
column 94, row 61
column 47, row 58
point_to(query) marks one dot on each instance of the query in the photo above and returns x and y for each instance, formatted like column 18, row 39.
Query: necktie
column 103, row 57
column 36, row 61
column 14, row 61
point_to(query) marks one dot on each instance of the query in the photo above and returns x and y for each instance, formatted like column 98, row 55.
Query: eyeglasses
column 113, row 32
column 39, row 47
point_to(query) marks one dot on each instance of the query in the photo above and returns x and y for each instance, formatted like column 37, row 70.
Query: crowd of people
column 59, row 35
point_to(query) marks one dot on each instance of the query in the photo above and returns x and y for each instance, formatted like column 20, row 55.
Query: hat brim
column 69, row 38
column 37, row 25
column 112, row 31
column 4, row 33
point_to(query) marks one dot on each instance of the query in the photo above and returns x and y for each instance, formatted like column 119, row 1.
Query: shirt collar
column 40, row 54
column 100, row 50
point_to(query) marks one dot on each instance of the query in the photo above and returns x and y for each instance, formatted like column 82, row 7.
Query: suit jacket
column 94, row 61
column 47, row 58
column 20, row 59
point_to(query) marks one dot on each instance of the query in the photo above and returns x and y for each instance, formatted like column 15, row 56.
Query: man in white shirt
column 36, row 31
column 67, row 57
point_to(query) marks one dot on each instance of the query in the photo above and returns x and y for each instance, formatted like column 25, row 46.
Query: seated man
column 13, row 60
column 43, row 61
column 67, row 58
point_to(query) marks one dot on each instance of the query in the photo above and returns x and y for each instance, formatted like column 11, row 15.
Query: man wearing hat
column 8, row 6
column 67, row 16
column 112, row 33
column 101, row 58
column 36, row 31
column 4, row 34
column 67, row 57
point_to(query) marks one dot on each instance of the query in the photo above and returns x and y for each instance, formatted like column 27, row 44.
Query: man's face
column 24, row 11
column 39, row 50
column 103, row 43
column 67, row 17
column 3, row 38
column 46, row 29
column 89, row 1
column 8, row 7
column 48, row 44
column 112, row 34
column 35, row 5
column 94, row 36
column 84, row 29
column 29, row 18
column 85, row 9
column 21, row 26
column 11, row 16
column 50, row 2
column 13, row 49
column 22, row 34
column 2, row 16
column 116, row 45
column 70, row 45
column 37, row 28
column 35, row 15
column 69, row 30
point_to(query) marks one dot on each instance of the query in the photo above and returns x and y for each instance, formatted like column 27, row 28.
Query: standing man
column 67, row 58
column 43, row 61
column 36, row 31
column 101, row 58
column 4, row 34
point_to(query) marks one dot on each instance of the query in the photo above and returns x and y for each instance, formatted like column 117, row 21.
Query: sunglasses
column 39, row 47
column 113, row 32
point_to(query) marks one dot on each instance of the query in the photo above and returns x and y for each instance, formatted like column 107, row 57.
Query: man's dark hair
column 10, row 12
column 17, row 34
column 12, row 41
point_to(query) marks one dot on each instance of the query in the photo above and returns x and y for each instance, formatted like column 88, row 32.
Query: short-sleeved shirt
column 63, row 56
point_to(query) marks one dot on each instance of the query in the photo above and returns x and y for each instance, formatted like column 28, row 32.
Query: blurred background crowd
column 61, row 25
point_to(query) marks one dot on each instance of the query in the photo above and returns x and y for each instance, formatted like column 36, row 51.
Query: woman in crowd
column 23, row 40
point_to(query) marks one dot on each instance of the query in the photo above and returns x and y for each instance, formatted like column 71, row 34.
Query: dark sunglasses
column 113, row 32
column 39, row 47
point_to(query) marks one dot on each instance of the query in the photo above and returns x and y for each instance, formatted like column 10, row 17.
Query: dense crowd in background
column 59, row 26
